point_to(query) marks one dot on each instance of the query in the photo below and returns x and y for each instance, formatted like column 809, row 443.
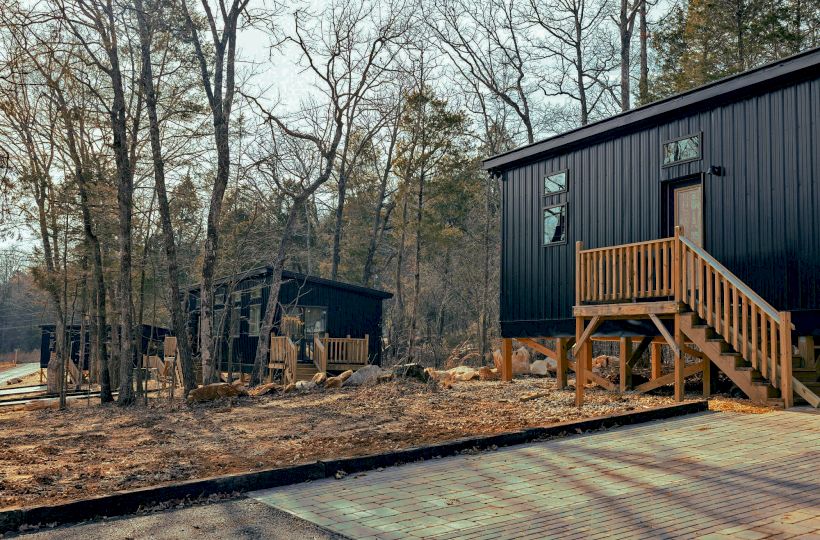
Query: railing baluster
column 775, row 334
column 718, row 301
column 764, row 349
column 754, row 343
column 735, row 319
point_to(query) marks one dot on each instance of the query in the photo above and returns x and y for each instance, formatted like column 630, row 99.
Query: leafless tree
column 577, row 42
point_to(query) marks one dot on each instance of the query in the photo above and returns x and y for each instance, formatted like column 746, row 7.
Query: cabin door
column 687, row 205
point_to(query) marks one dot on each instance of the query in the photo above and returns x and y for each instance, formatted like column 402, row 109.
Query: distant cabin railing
column 678, row 268
column 283, row 355
column 343, row 352
column 319, row 354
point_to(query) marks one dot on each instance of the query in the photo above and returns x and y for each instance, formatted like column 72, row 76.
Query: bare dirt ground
column 49, row 456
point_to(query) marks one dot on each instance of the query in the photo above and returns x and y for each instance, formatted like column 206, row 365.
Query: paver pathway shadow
column 709, row 475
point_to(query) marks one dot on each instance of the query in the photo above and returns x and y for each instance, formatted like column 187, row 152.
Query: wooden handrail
column 678, row 268
column 319, row 354
column 283, row 351
column 733, row 279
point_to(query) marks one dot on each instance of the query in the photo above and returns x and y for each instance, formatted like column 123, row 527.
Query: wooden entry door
column 688, row 211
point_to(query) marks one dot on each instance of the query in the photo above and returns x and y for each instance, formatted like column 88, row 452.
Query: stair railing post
column 676, row 264
column 578, row 247
column 786, row 359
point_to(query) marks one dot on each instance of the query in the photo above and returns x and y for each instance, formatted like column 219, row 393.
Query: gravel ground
column 244, row 519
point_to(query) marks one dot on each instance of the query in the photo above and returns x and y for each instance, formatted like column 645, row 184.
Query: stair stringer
column 758, row 391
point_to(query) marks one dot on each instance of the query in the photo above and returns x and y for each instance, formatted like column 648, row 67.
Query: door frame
column 667, row 225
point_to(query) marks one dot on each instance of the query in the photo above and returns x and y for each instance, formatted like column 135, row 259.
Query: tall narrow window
column 555, row 183
column 254, row 316
column 555, row 224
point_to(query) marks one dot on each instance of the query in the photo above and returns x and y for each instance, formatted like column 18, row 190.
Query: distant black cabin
column 736, row 163
column 311, row 306
column 152, row 340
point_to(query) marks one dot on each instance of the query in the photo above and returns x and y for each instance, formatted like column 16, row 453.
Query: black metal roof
column 733, row 88
column 296, row 276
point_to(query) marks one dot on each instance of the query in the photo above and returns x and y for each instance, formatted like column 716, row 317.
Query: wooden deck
column 715, row 319
column 330, row 354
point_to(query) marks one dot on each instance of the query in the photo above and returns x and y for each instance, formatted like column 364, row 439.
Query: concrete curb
column 130, row 501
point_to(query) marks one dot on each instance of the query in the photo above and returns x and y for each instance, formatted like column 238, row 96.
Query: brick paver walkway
column 710, row 475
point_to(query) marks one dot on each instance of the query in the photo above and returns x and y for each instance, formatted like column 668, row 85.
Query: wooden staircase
column 741, row 333
column 732, row 326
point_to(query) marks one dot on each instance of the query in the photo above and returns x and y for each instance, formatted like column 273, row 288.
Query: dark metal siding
column 349, row 312
column 759, row 219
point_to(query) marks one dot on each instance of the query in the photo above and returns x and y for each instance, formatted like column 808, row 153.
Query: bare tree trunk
column 377, row 230
column 174, row 297
column 220, row 91
column 643, row 89
column 417, row 274
column 339, row 222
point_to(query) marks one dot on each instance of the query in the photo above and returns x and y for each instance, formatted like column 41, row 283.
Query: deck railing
column 678, row 268
column 283, row 355
column 346, row 350
column 624, row 273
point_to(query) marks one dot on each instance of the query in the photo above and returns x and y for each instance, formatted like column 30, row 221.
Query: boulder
column 264, row 389
column 305, row 385
column 411, row 371
column 539, row 367
column 333, row 382
column 520, row 360
column 463, row 373
column 489, row 374
column 345, row 375
column 289, row 388
column 605, row 362
column 210, row 392
column 320, row 378
column 364, row 376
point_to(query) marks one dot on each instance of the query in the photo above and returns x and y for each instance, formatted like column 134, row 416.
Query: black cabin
column 312, row 306
column 736, row 163
column 152, row 341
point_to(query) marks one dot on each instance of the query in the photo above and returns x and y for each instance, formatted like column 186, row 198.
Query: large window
column 681, row 150
column 555, row 224
column 555, row 183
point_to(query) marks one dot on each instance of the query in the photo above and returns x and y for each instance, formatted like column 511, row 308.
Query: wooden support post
column 679, row 364
column 657, row 360
column 561, row 349
column 707, row 377
column 580, row 362
column 676, row 266
column 506, row 359
column 625, row 352
column 786, row 352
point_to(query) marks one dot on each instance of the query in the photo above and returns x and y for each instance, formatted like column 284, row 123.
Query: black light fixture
column 716, row 170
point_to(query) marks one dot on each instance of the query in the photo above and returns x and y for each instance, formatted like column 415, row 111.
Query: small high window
column 555, row 224
column 555, row 183
column 681, row 150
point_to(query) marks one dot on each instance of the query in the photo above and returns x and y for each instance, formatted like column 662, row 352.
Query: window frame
column 553, row 173
column 698, row 134
column 565, row 204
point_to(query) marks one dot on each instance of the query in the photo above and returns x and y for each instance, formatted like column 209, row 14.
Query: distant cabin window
column 555, row 224
column 253, row 319
column 681, row 150
column 555, row 183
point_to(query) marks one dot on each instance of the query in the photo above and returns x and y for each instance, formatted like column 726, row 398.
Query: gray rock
column 366, row 375
column 411, row 371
